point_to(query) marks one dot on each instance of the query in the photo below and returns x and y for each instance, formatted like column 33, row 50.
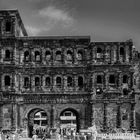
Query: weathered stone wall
column 111, row 117
column 7, row 116
column 68, row 56
column 98, row 116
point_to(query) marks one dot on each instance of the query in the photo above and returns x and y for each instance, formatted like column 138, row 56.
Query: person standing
column 34, row 137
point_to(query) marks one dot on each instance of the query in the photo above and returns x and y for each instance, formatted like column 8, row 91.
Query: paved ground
column 27, row 139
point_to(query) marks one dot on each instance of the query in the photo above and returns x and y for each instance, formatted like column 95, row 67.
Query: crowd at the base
column 58, row 136
column 9, row 136
column 53, row 135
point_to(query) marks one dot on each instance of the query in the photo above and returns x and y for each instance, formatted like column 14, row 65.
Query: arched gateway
column 37, row 122
column 69, row 121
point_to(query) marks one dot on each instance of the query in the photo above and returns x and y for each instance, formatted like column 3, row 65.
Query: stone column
column 15, row 116
column 131, row 80
column 13, row 81
column 118, row 53
column 118, row 119
column 52, row 116
column 18, row 116
column 104, row 80
column 82, row 122
column 132, row 117
column 75, row 82
column 75, row 56
column 105, row 117
column 92, row 114
column 52, row 83
column 12, row 116
column 30, row 83
column 1, row 116
column 63, row 56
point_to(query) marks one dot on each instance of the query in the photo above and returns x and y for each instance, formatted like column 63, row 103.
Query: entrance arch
column 37, row 122
column 69, row 121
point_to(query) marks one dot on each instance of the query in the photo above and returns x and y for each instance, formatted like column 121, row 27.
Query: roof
column 19, row 20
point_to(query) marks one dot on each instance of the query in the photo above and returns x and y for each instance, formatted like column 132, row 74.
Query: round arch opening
column 69, row 121
column 37, row 122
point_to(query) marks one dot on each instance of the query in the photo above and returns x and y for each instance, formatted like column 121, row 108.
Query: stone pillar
column 117, row 53
column 131, row 80
column 12, row 116
column 52, row 82
column 82, row 122
column 104, row 80
column 15, row 116
column 92, row 114
column 65, row 82
column 105, row 117
column 18, row 116
column 30, row 83
column 52, row 116
column 1, row 117
column 132, row 117
column 75, row 82
column 63, row 56
column 118, row 119
column 75, row 56
column 13, row 81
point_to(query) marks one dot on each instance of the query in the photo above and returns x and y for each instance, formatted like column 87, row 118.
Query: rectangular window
column 8, row 26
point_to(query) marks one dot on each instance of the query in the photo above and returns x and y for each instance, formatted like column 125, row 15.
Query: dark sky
column 103, row 20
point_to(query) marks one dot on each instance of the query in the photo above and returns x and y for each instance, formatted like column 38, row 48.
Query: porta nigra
column 65, row 81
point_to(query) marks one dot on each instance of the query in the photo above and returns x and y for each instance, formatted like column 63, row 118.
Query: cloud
column 33, row 30
column 55, row 15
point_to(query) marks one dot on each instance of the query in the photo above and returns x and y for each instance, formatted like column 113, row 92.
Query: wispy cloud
column 56, row 15
column 33, row 30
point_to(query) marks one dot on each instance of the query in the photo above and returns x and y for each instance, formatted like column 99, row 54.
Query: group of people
column 78, row 136
column 62, row 135
column 9, row 136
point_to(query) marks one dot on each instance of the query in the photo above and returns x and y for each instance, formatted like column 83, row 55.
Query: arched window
column 37, row 81
column 8, row 26
column 112, row 79
column 125, row 79
column 40, row 119
column 69, row 118
column 48, row 81
column 122, row 52
column 58, row 81
column 7, row 80
column 7, row 54
column 80, row 55
column 69, row 81
column 58, row 55
column 99, row 52
column 80, row 82
column 26, row 55
column 48, row 55
column 99, row 79
column 26, row 82
column 69, row 55
column 37, row 56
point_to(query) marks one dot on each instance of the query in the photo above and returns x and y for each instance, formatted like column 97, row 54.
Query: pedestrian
column 44, row 137
column 34, row 137
column 2, row 136
column 77, row 137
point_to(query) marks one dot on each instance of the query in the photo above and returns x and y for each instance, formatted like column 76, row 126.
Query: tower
column 11, row 24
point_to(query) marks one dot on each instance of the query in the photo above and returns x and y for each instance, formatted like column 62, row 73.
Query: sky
column 103, row 20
